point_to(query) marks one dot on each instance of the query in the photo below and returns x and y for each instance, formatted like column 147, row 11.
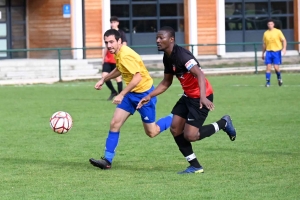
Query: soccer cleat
column 267, row 84
column 229, row 128
column 192, row 170
column 112, row 95
column 280, row 82
column 102, row 163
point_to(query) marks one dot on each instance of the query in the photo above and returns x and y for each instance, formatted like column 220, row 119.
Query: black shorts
column 108, row 67
column 189, row 109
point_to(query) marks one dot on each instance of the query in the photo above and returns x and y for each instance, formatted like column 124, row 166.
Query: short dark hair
column 168, row 29
column 112, row 32
column 114, row 19
column 271, row 20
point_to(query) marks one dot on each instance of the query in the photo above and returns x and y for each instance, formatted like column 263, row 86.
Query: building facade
column 81, row 23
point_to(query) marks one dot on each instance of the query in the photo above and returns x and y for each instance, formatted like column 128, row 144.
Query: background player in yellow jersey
column 138, row 85
column 274, row 44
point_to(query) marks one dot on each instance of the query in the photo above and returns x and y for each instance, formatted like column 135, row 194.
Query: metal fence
column 58, row 52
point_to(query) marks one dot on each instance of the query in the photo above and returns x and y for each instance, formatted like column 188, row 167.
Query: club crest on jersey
column 189, row 64
column 174, row 68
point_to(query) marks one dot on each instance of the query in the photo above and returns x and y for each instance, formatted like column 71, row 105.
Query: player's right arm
column 113, row 74
column 163, row 85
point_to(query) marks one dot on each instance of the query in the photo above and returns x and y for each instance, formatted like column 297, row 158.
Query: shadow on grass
column 252, row 151
column 96, row 99
column 84, row 164
column 61, row 164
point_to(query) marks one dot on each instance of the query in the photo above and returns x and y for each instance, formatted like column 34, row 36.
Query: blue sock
column 278, row 75
column 268, row 77
column 165, row 122
column 111, row 145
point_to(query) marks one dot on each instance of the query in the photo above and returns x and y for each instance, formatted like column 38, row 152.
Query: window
column 3, row 14
column 144, row 10
column 142, row 26
column 3, row 30
column 146, row 16
column 253, row 15
column 2, row 2
column 246, row 20
column 171, row 10
column 141, row 19
column 120, row 10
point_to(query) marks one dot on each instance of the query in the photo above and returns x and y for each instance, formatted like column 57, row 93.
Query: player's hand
column 263, row 57
column 283, row 51
column 99, row 84
column 207, row 103
column 118, row 99
column 143, row 101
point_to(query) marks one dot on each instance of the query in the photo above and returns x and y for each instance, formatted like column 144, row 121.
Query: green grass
column 263, row 163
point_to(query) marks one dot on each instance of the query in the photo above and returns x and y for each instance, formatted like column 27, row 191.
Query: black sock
column 110, row 86
column 120, row 86
column 208, row 130
column 187, row 151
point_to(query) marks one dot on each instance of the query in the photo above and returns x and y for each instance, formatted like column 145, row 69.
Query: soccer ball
column 61, row 122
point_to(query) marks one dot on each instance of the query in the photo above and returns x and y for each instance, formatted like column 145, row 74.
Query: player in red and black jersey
column 192, row 108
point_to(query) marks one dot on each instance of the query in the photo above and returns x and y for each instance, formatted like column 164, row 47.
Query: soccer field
column 262, row 163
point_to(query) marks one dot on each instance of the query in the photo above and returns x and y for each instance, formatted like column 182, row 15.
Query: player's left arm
column 132, row 84
column 136, row 79
column 283, row 40
column 197, row 72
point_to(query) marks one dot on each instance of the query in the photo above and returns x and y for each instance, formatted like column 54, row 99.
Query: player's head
column 271, row 24
column 112, row 40
column 165, row 38
column 114, row 22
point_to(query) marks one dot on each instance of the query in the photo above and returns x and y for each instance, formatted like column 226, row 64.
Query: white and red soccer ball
column 61, row 122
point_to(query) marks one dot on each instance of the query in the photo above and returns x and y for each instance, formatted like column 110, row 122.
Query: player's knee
column 151, row 134
column 191, row 137
column 174, row 130
column 115, row 124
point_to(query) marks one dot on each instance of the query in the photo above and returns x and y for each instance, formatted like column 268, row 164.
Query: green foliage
column 263, row 162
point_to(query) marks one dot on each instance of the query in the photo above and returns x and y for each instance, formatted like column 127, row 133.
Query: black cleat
column 112, row 95
column 280, row 82
column 229, row 129
column 102, row 163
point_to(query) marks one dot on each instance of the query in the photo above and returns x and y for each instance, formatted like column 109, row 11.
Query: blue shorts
column 273, row 57
column 147, row 111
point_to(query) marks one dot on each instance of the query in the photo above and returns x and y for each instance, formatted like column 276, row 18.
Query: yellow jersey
column 273, row 39
column 128, row 62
